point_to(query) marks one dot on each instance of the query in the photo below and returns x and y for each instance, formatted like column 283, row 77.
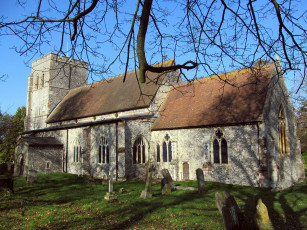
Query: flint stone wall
column 195, row 147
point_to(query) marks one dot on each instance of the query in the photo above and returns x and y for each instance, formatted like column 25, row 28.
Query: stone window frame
column 77, row 151
column 165, row 150
column 103, row 156
column 139, row 150
column 282, row 131
column 42, row 80
column 48, row 164
column 219, row 140
column 36, row 82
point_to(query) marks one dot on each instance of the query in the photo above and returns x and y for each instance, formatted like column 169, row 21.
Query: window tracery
column 220, row 150
column 77, row 151
column 139, row 155
column 104, row 152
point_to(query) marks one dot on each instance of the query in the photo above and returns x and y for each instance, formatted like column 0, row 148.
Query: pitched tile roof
column 108, row 96
column 211, row 101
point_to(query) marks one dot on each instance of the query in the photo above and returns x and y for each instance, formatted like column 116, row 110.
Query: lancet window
column 220, row 151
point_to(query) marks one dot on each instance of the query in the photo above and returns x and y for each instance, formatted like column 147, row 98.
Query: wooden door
column 186, row 171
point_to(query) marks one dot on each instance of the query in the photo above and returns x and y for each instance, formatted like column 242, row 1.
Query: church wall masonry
column 193, row 149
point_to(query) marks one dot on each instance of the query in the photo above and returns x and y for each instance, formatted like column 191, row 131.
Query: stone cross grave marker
column 110, row 195
column 200, row 181
column 167, row 175
column 146, row 193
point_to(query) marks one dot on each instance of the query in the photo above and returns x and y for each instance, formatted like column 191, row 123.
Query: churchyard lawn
column 64, row 201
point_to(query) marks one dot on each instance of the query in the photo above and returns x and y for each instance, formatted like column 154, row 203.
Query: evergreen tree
column 12, row 127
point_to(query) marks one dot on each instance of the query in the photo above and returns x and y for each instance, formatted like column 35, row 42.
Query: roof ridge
column 166, row 63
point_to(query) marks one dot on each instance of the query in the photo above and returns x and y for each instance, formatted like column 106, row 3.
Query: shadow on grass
column 68, row 192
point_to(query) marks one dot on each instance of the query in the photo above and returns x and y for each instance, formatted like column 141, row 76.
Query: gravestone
column 165, row 187
column 122, row 190
column 110, row 196
column 232, row 215
column 262, row 216
column 146, row 193
column 167, row 175
column 200, row 181
column 32, row 176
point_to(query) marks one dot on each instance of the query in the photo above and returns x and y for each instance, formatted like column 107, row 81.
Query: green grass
column 64, row 201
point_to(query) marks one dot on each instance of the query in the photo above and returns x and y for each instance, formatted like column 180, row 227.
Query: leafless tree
column 207, row 36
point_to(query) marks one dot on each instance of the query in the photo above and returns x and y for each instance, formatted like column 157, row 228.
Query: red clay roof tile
column 108, row 96
column 212, row 101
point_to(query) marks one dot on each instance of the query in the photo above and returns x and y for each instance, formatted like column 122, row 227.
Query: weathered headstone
column 262, row 216
column 146, row 193
column 32, row 176
column 167, row 175
column 122, row 190
column 165, row 187
column 232, row 215
column 110, row 196
column 200, row 181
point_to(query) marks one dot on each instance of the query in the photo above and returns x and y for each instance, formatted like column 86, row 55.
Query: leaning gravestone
column 110, row 196
column 146, row 193
column 200, row 181
column 167, row 175
column 232, row 215
column 262, row 216
column 165, row 187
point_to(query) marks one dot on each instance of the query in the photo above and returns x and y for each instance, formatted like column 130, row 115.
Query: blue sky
column 13, row 91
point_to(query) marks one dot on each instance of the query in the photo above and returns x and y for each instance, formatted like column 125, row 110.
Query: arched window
column 36, row 81
column 220, row 151
column 104, row 151
column 164, row 152
column 170, row 156
column 139, row 154
column 167, row 153
column 216, row 151
column 77, row 151
column 282, row 131
column 158, row 153
column 224, row 151
column 42, row 81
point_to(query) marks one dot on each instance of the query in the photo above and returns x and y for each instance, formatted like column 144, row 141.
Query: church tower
column 51, row 78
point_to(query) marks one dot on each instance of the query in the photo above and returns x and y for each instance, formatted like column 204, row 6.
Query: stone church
column 239, row 127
